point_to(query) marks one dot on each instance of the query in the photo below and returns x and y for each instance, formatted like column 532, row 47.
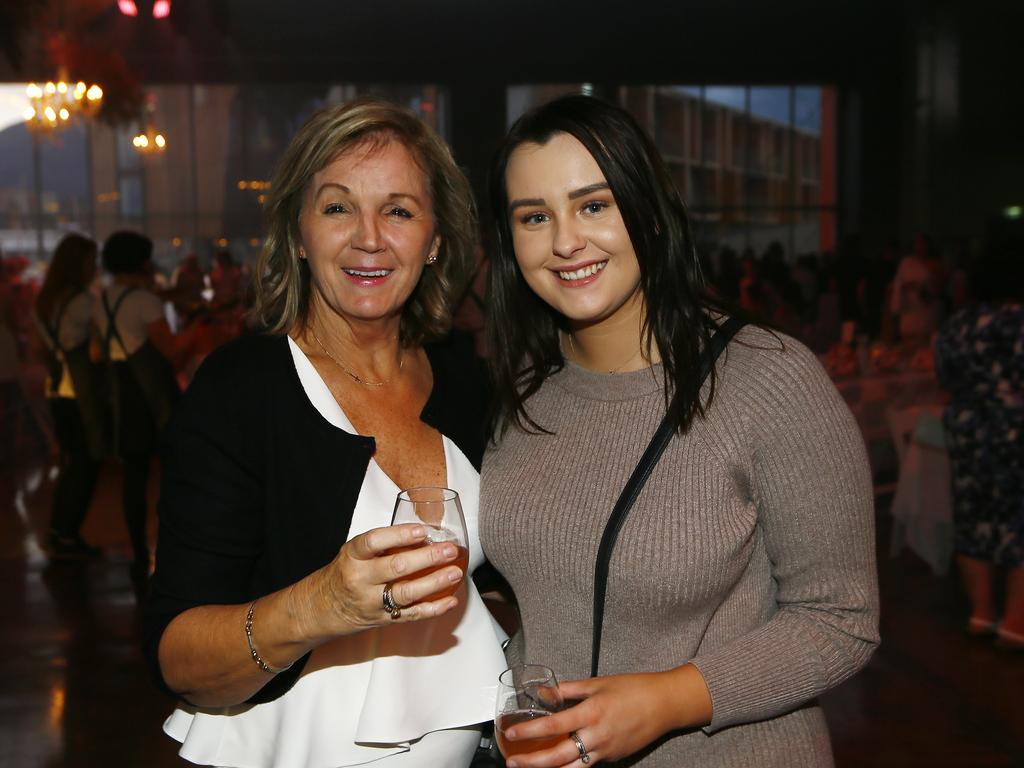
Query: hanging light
column 56, row 104
column 149, row 142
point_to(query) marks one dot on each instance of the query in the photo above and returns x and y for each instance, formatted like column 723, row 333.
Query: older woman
column 742, row 582
column 281, row 468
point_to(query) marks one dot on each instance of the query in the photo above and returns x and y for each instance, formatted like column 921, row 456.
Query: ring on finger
column 584, row 757
column 392, row 607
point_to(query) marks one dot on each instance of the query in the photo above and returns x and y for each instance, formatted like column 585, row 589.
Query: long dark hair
column 70, row 268
column 523, row 329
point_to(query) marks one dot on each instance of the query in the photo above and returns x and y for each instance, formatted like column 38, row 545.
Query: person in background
column 227, row 281
column 980, row 360
column 298, row 626
column 188, row 282
column 134, row 337
column 916, row 294
column 743, row 583
column 64, row 321
column 10, row 394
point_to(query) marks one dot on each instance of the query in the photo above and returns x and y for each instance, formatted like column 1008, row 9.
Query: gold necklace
column 616, row 369
column 356, row 377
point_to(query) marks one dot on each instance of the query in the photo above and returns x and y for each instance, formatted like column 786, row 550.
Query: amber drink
column 525, row 692
column 438, row 536
column 522, row 746
column 439, row 511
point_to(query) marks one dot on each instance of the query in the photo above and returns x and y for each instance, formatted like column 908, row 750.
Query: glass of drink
column 439, row 511
column 525, row 692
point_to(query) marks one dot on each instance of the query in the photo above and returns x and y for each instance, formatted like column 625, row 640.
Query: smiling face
column 367, row 229
column 569, row 238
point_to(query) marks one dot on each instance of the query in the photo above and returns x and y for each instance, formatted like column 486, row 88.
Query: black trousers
column 136, row 440
column 78, row 470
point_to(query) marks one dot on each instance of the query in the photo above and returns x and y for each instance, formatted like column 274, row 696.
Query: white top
column 73, row 331
column 140, row 308
column 372, row 696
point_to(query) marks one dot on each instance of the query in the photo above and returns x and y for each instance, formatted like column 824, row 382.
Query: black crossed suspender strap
column 112, row 332
column 53, row 331
column 719, row 341
column 57, row 358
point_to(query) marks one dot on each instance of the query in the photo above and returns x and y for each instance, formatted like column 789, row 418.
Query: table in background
column 900, row 416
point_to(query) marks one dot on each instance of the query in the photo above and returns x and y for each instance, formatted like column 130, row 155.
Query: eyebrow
column 590, row 188
column 576, row 193
column 347, row 191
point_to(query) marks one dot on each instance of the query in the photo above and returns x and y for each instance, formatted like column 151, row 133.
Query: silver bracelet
column 252, row 648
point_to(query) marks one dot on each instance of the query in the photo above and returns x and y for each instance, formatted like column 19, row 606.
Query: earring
column 431, row 258
column 302, row 252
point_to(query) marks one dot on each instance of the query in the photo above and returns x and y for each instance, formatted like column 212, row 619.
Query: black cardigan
column 258, row 489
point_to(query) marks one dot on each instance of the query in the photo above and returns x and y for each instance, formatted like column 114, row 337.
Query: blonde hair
column 282, row 280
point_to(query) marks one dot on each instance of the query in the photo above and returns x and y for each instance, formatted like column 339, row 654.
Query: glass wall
column 754, row 164
column 202, row 193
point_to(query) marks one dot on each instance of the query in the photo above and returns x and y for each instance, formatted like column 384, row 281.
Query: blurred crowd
column 205, row 305
column 853, row 306
column 897, row 295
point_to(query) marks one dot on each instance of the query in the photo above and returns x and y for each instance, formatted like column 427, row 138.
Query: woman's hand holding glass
column 616, row 716
column 351, row 587
column 439, row 511
column 526, row 692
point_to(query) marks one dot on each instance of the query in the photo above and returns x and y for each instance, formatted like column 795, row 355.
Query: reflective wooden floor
column 74, row 690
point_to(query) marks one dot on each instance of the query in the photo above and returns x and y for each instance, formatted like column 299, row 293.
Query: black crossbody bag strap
column 719, row 341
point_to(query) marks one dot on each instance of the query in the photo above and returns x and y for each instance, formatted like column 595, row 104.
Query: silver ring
column 584, row 757
column 393, row 609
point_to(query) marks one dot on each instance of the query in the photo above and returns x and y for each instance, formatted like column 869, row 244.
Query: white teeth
column 363, row 273
column 587, row 271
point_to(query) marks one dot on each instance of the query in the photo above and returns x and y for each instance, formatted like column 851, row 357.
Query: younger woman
column 743, row 582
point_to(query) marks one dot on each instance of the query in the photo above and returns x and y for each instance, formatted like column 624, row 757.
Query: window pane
column 770, row 104
column 732, row 96
column 64, row 184
column 754, row 164
column 769, row 145
column 807, row 109
column 815, row 145
column 672, row 116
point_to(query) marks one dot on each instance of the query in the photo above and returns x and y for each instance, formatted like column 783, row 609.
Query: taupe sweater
column 750, row 551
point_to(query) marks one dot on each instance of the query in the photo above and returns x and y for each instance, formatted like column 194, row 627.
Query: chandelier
column 53, row 105
column 149, row 142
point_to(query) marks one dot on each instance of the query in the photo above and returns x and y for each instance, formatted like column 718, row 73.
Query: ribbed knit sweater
column 750, row 551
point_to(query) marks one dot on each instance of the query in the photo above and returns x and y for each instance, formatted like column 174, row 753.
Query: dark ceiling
column 486, row 40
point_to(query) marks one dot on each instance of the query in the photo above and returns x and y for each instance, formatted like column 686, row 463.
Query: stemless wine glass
column 439, row 511
column 525, row 692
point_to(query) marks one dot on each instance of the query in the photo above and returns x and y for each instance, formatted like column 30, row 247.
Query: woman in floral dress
column 980, row 356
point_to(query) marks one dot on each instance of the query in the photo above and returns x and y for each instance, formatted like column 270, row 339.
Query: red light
column 127, row 7
column 161, row 9
column 427, row 106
